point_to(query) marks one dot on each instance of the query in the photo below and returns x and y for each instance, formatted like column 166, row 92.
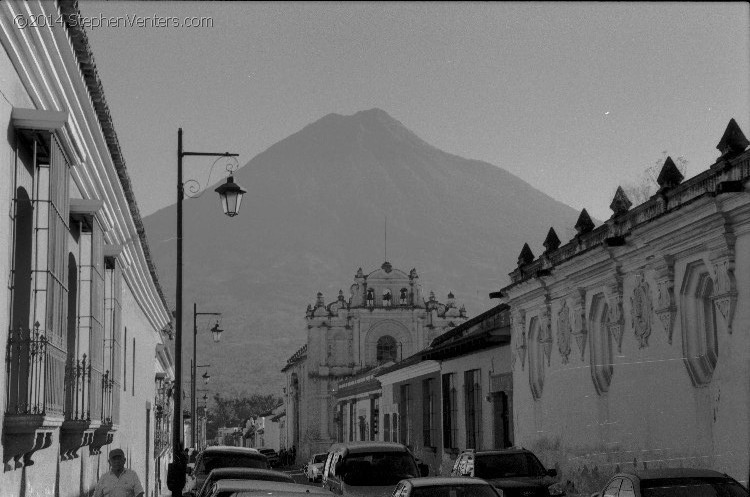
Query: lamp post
column 216, row 331
column 231, row 197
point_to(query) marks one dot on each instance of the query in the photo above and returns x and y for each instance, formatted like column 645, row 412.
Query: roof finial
column 584, row 223
column 621, row 203
column 670, row 176
column 526, row 256
column 552, row 242
column 733, row 140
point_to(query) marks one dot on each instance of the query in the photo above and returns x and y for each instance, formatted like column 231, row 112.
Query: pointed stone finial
column 621, row 203
column 670, row 176
column 341, row 295
column 526, row 256
column 387, row 267
column 552, row 242
column 432, row 296
column 451, row 296
column 733, row 140
column 359, row 274
column 584, row 223
column 319, row 301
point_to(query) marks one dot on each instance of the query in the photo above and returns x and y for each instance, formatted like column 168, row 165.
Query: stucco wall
column 490, row 361
column 652, row 415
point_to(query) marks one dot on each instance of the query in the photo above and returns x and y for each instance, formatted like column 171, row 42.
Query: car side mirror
column 424, row 469
column 552, row 472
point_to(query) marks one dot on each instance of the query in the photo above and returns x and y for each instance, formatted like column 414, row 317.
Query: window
column 351, row 421
column 370, row 297
column 473, row 403
column 113, row 339
column 386, row 298
column 386, row 427
column 39, row 293
column 536, row 359
column 428, row 413
column 403, row 296
column 374, row 417
column 394, row 427
column 626, row 490
column 450, row 412
column 601, row 355
column 405, row 409
column 699, row 325
column 386, row 349
column 613, row 488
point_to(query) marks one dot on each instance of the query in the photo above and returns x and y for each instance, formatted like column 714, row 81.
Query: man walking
column 119, row 481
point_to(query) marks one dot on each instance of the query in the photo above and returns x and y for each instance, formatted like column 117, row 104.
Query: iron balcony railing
column 35, row 367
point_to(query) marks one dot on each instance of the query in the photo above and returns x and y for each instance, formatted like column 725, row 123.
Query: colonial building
column 82, row 314
column 385, row 319
column 632, row 341
column 454, row 394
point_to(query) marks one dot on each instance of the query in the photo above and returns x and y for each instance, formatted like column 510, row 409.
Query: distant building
column 455, row 394
column 386, row 318
column 632, row 341
column 83, row 320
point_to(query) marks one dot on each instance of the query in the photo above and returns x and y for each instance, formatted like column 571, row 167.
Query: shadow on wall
column 585, row 470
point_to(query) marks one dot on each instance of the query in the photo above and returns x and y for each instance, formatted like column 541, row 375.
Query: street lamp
column 216, row 332
column 176, row 470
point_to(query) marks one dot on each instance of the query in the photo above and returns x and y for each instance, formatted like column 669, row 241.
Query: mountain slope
column 315, row 211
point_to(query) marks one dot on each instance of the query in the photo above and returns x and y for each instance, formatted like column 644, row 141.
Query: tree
column 234, row 411
column 645, row 186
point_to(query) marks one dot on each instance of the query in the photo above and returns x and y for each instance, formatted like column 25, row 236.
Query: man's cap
column 116, row 452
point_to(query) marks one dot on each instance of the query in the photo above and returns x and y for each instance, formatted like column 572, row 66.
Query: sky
column 574, row 98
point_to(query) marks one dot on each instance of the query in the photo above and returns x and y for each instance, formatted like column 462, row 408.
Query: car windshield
column 318, row 458
column 455, row 491
column 378, row 469
column 507, row 465
column 214, row 461
column 692, row 487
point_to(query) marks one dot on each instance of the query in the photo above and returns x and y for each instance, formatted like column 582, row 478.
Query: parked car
column 242, row 474
column 254, row 488
column 221, row 456
column 272, row 455
column 445, row 487
column 369, row 468
column 314, row 467
column 517, row 472
column 675, row 482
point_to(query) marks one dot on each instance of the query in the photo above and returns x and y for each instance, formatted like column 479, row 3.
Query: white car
column 314, row 467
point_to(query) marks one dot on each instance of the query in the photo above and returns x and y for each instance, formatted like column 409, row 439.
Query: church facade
column 385, row 319
column 631, row 341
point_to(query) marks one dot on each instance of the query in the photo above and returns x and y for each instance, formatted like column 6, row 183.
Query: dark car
column 256, row 488
column 242, row 474
column 517, row 472
column 436, row 486
column 675, row 482
column 271, row 455
column 222, row 456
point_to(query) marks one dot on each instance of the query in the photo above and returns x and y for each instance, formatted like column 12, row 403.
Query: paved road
column 299, row 477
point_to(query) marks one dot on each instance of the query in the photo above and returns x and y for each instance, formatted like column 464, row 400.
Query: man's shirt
column 127, row 485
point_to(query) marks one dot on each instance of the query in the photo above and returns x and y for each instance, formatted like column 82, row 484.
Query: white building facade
column 386, row 318
column 632, row 341
column 83, row 314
